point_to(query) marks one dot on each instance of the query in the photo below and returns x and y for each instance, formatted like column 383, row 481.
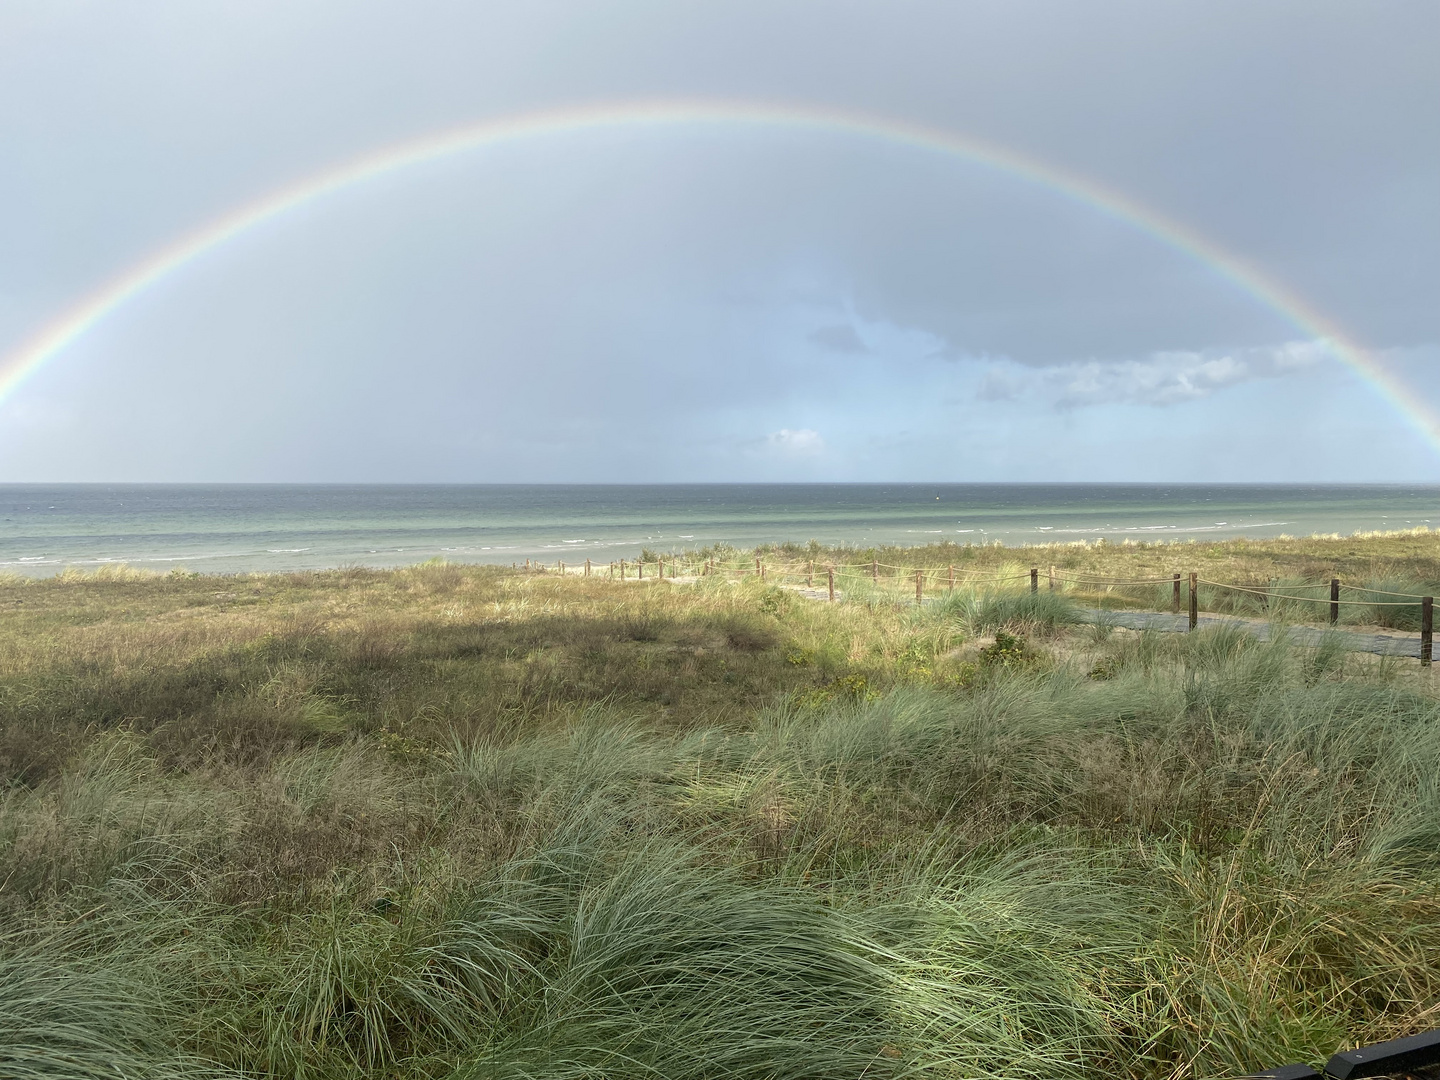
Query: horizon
column 724, row 483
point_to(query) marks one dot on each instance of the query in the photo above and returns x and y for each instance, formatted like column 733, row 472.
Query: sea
column 238, row 528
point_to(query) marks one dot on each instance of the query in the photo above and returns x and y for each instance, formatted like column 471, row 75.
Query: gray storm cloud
column 841, row 339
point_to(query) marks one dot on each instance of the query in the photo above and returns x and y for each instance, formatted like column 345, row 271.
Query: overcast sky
column 720, row 302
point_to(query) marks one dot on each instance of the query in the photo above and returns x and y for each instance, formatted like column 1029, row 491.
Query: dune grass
column 1371, row 567
column 459, row 822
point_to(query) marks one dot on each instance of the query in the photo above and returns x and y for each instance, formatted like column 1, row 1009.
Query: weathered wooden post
column 875, row 571
column 810, row 576
column 1177, row 594
column 1334, row 600
column 622, row 569
column 1052, row 577
column 919, row 586
column 830, row 574
column 1427, row 628
column 587, row 567
column 561, row 564
column 1194, row 600
column 1034, row 579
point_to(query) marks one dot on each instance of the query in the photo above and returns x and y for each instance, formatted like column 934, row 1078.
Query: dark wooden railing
column 1416, row 1056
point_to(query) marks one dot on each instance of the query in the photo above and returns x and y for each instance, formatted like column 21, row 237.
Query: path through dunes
column 1394, row 643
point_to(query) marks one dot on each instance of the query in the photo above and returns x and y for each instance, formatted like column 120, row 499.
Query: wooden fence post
column 1194, row 600
column 950, row 586
column 622, row 569
column 1052, row 577
column 919, row 586
column 875, row 571
column 561, row 564
column 810, row 576
column 1334, row 600
column 587, row 567
column 1427, row 628
column 1034, row 579
column 1177, row 594
column 830, row 574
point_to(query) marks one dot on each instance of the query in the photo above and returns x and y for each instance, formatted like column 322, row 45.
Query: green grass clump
column 450, row 822
column 982, row 612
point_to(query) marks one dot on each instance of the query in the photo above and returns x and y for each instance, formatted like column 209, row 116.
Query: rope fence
column 1380, row 592
column 926, row 576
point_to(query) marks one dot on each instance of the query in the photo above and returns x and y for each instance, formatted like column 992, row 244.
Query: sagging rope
column 1312, row 599
column 1380, row 592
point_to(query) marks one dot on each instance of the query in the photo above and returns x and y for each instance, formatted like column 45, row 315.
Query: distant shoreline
column 278, row 528
column 1418, row 541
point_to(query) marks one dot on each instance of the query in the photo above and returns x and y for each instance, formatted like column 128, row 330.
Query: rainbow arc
column 52, row 339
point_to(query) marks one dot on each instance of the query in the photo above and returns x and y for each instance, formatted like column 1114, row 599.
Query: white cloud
column 796, row 442
column 1163, row 378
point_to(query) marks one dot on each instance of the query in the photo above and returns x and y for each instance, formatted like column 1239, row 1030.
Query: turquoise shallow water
column 232, row 528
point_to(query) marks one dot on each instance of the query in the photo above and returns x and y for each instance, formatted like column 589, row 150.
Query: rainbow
column 53, row 338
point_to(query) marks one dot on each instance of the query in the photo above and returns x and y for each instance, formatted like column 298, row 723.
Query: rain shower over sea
column 245, row 527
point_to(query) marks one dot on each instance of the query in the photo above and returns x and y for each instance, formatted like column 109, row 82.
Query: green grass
column 980, row 612
column 1404, row 562
column 454, row 822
